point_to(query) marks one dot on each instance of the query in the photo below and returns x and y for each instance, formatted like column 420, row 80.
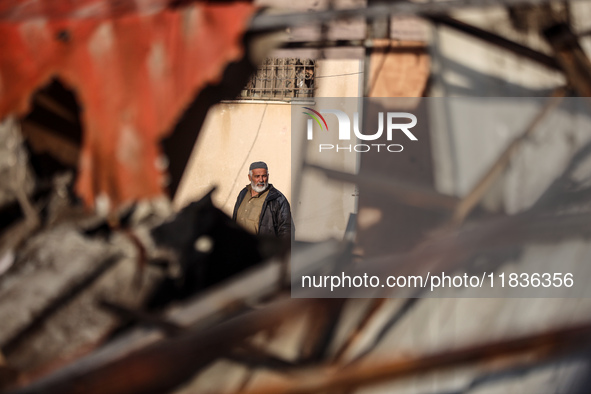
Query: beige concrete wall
column 339, row 78
column 324, row 206
column 238, row 133
column 234, row 135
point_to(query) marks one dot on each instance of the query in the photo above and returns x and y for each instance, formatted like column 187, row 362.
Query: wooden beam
column 572, row 58
column 541, row 346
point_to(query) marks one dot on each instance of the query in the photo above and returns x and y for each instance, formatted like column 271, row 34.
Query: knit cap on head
column 258, row 164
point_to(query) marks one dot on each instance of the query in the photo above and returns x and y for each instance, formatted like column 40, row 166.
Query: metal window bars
column 282, row 79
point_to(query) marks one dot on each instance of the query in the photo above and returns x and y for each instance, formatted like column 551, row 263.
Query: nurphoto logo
column 394, row 123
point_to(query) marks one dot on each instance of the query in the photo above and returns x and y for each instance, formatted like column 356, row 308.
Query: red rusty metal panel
column 133, row 75
column 22, row 10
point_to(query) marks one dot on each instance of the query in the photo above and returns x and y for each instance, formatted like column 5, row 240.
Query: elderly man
column 260, row 208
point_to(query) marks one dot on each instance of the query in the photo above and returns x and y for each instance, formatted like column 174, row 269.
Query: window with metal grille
column 281, row 79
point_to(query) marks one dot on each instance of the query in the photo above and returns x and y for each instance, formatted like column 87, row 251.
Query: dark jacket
column 275, row 216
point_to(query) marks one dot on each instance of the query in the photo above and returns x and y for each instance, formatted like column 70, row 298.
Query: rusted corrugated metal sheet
column 134, row 66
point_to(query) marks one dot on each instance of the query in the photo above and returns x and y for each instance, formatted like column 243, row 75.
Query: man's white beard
column 259, row 189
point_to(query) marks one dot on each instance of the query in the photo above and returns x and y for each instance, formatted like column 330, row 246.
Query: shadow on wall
column 480, row 84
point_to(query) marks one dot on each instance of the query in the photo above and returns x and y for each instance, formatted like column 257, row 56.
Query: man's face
column 259, row 180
